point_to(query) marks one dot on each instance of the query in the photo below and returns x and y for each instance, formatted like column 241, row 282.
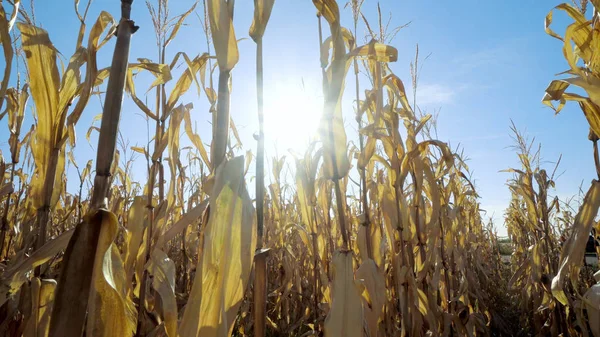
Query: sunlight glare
column 292, row 114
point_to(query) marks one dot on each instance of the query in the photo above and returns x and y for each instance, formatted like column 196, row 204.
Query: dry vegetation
column 185, row 253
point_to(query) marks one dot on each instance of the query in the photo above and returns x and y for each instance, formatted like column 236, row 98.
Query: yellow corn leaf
column 579, row 31
column 42, row 295
column 547, row 23
column 589, row 105
column 224, row 269
column 140, row 150
column 306, row 193
column 179, row 23
column 185, row 81
column 16, row 275
column 345, row 317
column 110, row 311
column 555, row 92
column 44, row 83
column 16, row 105
column 333, row 136
column 422, row 304
column 331, row 129
column 46, row 300
column 374, row 298
column 361, row 242
column 348, row 39
column 262, row 12
column 31, row 324
column 160, row 147
column 395, row 84
column 138, row 271
column 173, row 136
column 162, row 72
column 92, row 279
column 304, row 236
column 195, row 139
column 92, row 76
column 390, row 212
column 235, row 132
column 329, row 9
column 163, row 271
column 220, row 14
column 101, row 76
column 70, row 79
column 422, row 123
column 8, row 53
column 379, row 246
column 187, row 219
column 367, row 152
column 136, row 223
column 376, row 51
column 573, row 250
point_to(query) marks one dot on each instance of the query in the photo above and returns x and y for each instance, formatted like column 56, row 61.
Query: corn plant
column 172, row 255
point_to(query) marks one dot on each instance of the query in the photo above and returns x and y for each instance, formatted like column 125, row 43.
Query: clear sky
column 489, row 62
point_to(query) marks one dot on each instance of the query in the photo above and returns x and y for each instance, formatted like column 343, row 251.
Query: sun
column 292, row 114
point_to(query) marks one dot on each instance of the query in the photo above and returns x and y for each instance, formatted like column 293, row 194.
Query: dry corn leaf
column 221, row 280
column 44, row 83
column 306, row 194
column 220, row 14
column 162, row 72
column 345, row 317
column 42, row 295
column 262, row 12
column 92, row 76
column 103, row 281
column 195, row 139
column 179, row 23
column 162, row 270
column 5, row 40
column 348, row 39
column 136, row 224
column 573, row 250
column 185, row 80
column 374, row 298
column 16, row 275
column 329, row 9
column 111, row 311
column 376, row 51
column 187, row 219
column 331, row 128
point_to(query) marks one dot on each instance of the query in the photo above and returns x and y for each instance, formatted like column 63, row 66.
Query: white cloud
column 436, row 94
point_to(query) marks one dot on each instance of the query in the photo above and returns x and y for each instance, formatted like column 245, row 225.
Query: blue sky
column 489, row 62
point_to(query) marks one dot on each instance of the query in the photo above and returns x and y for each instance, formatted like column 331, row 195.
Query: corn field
column 213, row 243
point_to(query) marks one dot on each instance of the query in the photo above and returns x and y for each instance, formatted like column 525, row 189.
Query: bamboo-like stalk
column 260, row 292
column 260, row 258
column 111, row 113
column 260, row 154
column 339, row 199
column 262, row 12
column 4, row 219
column 364, row 203
column 156, row 169
column 70, row 305
column 221, row 132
